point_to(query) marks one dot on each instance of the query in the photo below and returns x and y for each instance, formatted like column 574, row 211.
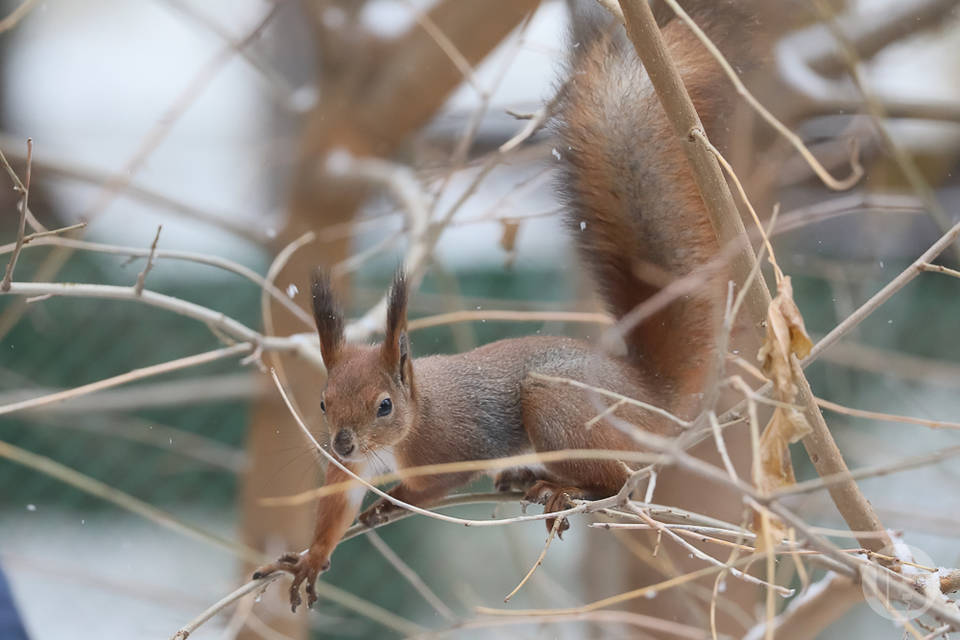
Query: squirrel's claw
column 305, row 569
column 553, row 497
column 377, row 513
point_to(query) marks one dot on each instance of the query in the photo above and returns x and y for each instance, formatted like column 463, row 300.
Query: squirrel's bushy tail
column 634, row 208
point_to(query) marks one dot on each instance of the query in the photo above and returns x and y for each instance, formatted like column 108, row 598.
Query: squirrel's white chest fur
column 384, row 462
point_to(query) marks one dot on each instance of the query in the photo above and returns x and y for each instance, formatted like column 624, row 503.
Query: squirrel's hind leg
column 554, row 497
column 556, row 422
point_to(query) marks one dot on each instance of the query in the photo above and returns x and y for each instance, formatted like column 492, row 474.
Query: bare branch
column 484, row 315
column 826, row 482
column 121, row 179
column 42, row 239
column 611, row 394
column 889, row 417
column 543, row 554
column 106, row 492
column 936, row 268
column 150, row 395
column 21, row 227
column 884, row 294
column 18, row 14
column 136, row 374
column 330, row 591
column 279, row 88
column 410, row 575
column 142, row 276
column 232, row 222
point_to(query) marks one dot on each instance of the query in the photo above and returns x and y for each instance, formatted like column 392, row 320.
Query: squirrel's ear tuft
column 395, row 349
column 328, row 316
column 397, row 304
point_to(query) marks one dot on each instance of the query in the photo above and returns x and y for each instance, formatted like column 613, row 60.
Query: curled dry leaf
column 786, row 336
column 786, row 427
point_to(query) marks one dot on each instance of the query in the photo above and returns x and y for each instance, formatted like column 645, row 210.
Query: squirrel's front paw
column 377, row 513
column 304, row 568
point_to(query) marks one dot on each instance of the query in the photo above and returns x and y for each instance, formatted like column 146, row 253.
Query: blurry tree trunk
column 372, row 95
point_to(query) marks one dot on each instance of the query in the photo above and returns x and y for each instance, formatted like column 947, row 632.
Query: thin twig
column 148, row 395
column 603, row 414
column 877, row 415
column 42, row 239
column 410, row 575
column 534, row 122
column 346, row 599
column 612, row 394
column 110, row 494
column 130, row 376
column 323, row 588
column 662, row 628
column 142, row 276
column 936, row 268
column 826, row 482
column 907, row 164
column 721, row 445
column 266, row 311
column 118, row 181
column 627, row 596
column 543, row 554
column 447, row 46
column 507, row 316
column 22, row 225
column 784, row 591
column 279, row 87
column 18, row 14
column 831, row 182
column 887, row 292
column 303, row 344
column 701, row 136
column 37, row 235
column 232, row 222
column 192, row 446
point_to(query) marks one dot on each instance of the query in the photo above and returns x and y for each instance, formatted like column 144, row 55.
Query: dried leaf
column 776, row 469
column 786, row 427
column 785, row 335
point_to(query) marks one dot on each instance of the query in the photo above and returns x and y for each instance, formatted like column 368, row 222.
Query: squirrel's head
column 368, row 402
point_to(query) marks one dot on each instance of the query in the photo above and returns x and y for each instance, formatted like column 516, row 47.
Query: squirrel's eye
column 385, row 408
column 323, row 406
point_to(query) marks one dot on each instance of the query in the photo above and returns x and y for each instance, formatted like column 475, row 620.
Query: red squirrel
column 638, row 219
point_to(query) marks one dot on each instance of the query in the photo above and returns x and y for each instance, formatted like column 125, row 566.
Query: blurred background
column 218, row 119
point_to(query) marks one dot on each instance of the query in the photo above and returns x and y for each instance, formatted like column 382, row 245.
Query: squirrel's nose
column 343, row 442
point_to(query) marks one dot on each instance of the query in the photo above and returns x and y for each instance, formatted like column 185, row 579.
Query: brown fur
column 640, row 223
column 635, row 210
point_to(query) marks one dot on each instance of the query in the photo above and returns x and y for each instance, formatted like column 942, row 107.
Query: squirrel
column 639, row 222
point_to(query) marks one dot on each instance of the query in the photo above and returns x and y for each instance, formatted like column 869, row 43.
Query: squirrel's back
column 634, row 207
